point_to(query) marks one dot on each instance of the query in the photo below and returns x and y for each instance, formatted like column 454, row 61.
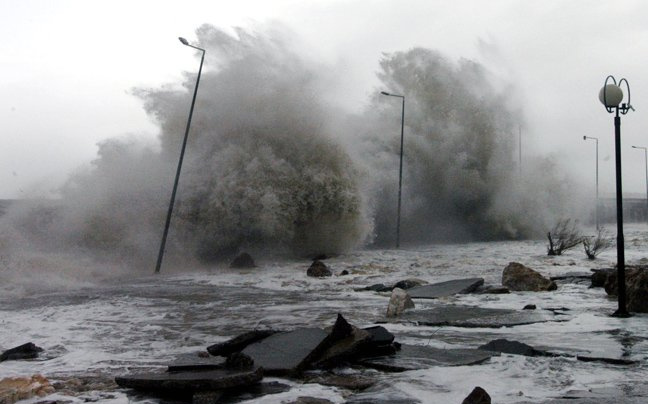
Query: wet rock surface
column 443, row 289
column 190, row 381
column 477, row 396
column 195, row 361
column 513, row 347
column 318, row 269
column 239, row 342
column 13, row 389
column 399, row 301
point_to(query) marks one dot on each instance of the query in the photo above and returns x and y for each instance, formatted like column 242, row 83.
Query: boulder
column 399, row 302
column 521, row 278
column 243, row 260
column 599, row 277
column 477, row 396
column 636, row 288
column 318, row 269
column 13, row 389
column 24, row 351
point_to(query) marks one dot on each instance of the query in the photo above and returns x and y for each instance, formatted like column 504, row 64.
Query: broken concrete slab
column 355, row 382
column 443, row 289
column 473, row 317
column 414, row 357
column 191, row 381
column 342, row 349
column 611, row 361
column 239, row 342
column 194, row 361
column 286, row 353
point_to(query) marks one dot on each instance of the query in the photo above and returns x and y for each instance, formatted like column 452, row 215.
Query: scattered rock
column 377, row 287
column 399, row 302
column 24, row 351
column 318, row 270
column 521, row 278
column 529, row 307
column 477, row 396
column 238, row 343
column 513, row 347
column 243, row 260
column 409, row 283
column 448, row 288
column 13, row 389
column 271, row 353
column 344, row 273
column 183, row 382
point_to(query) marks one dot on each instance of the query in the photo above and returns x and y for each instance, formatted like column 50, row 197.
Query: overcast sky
column 67, row 69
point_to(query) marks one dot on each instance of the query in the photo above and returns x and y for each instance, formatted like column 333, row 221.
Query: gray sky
column 67, row 68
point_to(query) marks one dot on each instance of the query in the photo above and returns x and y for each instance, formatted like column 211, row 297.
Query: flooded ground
column 118, row 327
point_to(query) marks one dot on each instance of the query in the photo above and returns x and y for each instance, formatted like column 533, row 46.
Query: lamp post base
column 621, row 314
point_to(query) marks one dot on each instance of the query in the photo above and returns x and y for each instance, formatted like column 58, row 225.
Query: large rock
column 521, row 278
column 636, row 288
column 24, row 351
column 399, row 302
column 318, row 269
column 13, row 389
column 477, row 396
column 287, row 353
column 243, row 260
column 448, row 288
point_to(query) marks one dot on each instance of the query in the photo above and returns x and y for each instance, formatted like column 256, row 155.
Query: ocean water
column 123, row 324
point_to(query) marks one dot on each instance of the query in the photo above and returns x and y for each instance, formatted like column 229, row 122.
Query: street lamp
column 646, row 163
column 597, row 179
column 400, row 167
column 611, row 96
column 182, row 151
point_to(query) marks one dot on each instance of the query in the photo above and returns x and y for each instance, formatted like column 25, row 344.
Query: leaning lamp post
column 611, row 96
column 182, row 151
column 400, row 166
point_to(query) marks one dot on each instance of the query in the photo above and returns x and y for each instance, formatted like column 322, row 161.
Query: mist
column 272, row 167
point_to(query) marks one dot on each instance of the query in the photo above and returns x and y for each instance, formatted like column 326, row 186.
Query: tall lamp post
column 400, row 167
column 646, row 163
column 182, row 151
column 597, row 179
column 611, row 96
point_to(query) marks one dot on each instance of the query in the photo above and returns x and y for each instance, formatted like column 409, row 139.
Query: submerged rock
column 24, row 351
column 318, row 269
column 399, row 302
column 521, row 278
column 513, row 347
column 243, row 260
column 477, row 396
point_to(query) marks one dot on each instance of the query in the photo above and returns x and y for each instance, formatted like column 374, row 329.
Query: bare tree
column 563, row 236
column 595, row 244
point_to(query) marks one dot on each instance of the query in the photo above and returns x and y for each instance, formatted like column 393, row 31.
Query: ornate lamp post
column 400, row 169
column 597, row 179
column 182, row 151
column 611, row 96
